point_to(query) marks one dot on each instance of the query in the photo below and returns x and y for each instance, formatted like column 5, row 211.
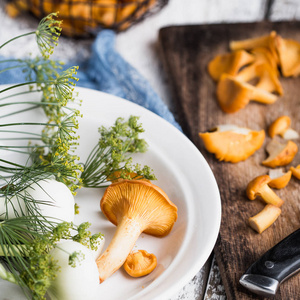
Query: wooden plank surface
column 186, row 53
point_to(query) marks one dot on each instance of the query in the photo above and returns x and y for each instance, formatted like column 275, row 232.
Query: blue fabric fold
column 107, row 71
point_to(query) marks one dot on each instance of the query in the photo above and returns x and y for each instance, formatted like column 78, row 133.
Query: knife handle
column 281, row 261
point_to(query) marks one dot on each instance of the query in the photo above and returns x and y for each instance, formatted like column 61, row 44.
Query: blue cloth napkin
column 107, row 71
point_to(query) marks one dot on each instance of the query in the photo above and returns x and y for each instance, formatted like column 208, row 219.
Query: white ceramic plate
column 182, row 173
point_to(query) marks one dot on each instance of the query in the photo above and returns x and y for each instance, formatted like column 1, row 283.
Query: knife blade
column 279, row 263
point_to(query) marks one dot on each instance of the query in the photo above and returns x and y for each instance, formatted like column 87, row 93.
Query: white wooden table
column 139, row 46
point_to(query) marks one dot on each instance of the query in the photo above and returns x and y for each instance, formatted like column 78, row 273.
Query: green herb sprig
column 25, row 241
column 111, row 158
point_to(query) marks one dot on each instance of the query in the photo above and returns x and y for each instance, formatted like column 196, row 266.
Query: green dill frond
column 26, row 252
column 47, row 34
column 112, row 154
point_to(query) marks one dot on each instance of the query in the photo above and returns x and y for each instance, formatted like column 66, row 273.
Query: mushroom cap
column 140, row 263
column 231, row 145
column 264, row 55
column 256, row 185
column 296, row 171
column 279, row 126
column 289, row 56
column 229, row 63
column 280, row 154
column 142, row 201
column 267, row 77
column 279, row 179
column 234, row 94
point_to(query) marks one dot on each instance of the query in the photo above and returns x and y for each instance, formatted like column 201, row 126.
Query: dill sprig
column 25, row 251
column 47, row 148
column 112, row 154
column 47, row 34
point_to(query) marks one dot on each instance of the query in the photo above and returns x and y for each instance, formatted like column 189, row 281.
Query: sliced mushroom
column 258, row 187
column 232, row 143
column 289, row 56
column 233, row 94
column 279, row 179
column 281, row 126
column 280, row 154
column 265, row 218
column 296, row 171
column 134, row 206
column 229, row 63
column 140, row 263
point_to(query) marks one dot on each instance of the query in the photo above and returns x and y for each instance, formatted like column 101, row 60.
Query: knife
column 276, row 265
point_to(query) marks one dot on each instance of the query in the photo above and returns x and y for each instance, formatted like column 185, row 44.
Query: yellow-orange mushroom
column 140, row 263
column 232, row 143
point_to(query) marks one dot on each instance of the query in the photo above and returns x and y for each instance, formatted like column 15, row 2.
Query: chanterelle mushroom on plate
column 140, row 263
column 134, row 206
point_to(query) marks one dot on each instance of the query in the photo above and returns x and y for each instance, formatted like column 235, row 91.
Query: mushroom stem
column 127, row 233
column 270, row 197
column 260, row 95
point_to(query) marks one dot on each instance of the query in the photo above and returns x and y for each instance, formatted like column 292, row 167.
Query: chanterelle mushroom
column 265, row 218
column 281, row 126
column 296, row 171
column 234, row 94
column 279, row 179
column 289, row 56
column 266, row 41
column 229, row 63
column 140, row 263
column 259, row 187
column 280, row 154
column 232, row 143
column 135, row 206
column 268, row 79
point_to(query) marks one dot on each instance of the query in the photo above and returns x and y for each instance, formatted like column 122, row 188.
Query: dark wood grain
column 186, row 51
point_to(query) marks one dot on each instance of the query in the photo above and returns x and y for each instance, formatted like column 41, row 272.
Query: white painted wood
column 285, row 10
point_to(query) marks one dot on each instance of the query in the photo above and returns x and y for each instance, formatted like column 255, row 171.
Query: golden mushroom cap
column 296, row 171
column 229, row 63
column 280, row 154
column 279, row 126
column 255, row 185
column 140, row 263
column 279, row 179
column 233, row 146
column 289, row 56
column 142, row 201
column 232, row 94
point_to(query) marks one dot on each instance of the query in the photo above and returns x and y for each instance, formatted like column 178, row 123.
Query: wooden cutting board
column 186, row 51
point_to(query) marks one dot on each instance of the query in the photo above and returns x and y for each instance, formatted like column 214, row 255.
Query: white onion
column 74, row 283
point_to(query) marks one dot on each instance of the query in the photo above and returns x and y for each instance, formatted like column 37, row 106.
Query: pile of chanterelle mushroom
column 251, row 72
